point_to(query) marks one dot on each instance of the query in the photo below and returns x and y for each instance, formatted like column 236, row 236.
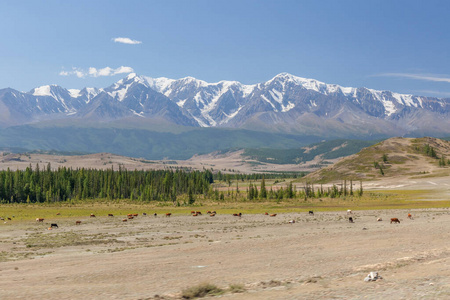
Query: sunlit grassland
column 371, row 200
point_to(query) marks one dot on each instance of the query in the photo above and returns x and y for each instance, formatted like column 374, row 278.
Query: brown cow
column 213, row 212
column 58, row 214
column 209, row 212
column 237, row 215
column 194, row 215
column 77, row 222
column 124, row 220
column 198, row 212
column 168, row 214
column 110, row 215
column 212, row 215
column 135, row 215
column 273, row 215
column 409, row 216
column 92, row 216
column 39, row 220
column 192, row 212
column 266, row 213
column 395, row 220
column 130, row 217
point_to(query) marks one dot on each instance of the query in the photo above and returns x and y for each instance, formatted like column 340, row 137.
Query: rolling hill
column 408, row 158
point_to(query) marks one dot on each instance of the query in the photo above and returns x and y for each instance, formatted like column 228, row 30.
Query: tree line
column 47, row 185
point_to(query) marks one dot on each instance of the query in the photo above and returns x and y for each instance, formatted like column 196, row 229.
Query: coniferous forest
column 36, row 186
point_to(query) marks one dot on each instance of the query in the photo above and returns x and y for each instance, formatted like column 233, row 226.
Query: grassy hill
column 394, row 157
column 322, row 151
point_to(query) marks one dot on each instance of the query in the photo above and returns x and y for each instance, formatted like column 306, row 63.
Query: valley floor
column 318, row 257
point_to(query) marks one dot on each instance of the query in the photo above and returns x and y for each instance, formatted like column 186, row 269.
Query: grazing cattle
column 39, row 220
column 350, row 220
column 194, row 215
column 291, row 221
column 212, row 215
column 379, row 219
column 77, row 222
column 124, row 220
column 168, row 214
column 92, row 216
column 58, row 214
column 9, row 219
column 273, row 215
column 395, row 220
column 155, row 215
column 311, row 212
column 54, row 225
column 409, row 216
column 198, row 212
column 349, row 211
column 144, row 214
column 192, row 212
column 213, row 212
column 110, row 215
column 237, row 215
column 208, row 212
column 135, row 215
column 130, row 217
column 266, row 213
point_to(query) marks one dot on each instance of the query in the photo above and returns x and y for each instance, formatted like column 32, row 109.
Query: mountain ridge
column 285, row 103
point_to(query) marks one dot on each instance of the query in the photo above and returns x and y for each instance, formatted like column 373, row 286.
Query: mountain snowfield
column 285, row 103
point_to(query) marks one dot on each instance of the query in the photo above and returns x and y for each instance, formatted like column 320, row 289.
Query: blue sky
column 402, row 46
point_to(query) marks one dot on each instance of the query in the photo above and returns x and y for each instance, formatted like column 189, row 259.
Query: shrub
column 201, row 290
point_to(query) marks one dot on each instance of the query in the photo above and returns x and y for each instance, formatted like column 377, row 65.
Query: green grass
column 389, row 199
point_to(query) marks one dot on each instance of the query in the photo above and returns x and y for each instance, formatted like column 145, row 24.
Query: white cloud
column 94, row 72
column 426, row 77
column 125, row 40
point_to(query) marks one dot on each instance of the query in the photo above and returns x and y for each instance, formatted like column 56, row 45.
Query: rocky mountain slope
column 286, row 103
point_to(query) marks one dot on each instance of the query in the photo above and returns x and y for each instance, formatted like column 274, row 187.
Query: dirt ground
column 318, row 257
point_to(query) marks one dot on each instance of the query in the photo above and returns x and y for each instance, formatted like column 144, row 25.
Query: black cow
column 311, row 212
column 350, row 219
column 54, row 225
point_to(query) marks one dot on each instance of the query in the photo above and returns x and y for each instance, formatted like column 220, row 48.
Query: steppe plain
column 320, row 256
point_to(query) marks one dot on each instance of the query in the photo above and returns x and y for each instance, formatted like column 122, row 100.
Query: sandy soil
column 319, row 257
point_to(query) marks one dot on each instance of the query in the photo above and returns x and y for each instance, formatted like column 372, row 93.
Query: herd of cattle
column 211, row 214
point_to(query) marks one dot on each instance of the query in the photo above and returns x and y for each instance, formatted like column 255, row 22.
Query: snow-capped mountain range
column 286, row 103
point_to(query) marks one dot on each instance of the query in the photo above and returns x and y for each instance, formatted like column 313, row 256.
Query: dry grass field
column 250, row 257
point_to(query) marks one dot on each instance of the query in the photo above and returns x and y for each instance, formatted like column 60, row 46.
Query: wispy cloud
column 125, row 40
column 426, row 77
column 94, row 72
column 437, row 93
